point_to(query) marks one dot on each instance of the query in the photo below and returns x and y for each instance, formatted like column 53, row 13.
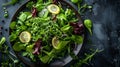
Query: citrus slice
column 25, row 37
column 55, row 42
column 53, row 9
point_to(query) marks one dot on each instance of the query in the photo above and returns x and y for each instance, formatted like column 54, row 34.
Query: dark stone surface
column 106, row 31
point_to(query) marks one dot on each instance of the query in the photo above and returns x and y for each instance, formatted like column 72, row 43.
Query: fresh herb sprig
column 86, row 59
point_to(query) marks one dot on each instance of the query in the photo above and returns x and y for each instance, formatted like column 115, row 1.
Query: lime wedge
column 25, row 37
column 55, row 42
column 52, row 8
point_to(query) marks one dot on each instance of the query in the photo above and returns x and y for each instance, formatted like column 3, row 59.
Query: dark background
column 106, row 31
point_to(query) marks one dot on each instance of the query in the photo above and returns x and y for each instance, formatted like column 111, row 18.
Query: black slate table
column 106, row 31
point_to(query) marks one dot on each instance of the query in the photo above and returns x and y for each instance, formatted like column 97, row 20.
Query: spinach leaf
column 88, row 25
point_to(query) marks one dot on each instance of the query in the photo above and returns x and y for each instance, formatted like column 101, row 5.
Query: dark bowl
column 57, row 63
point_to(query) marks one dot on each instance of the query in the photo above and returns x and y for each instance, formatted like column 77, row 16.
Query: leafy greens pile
column 46, row 31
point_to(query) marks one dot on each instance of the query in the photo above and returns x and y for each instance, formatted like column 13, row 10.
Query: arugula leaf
column 65, row 28
column 41, row 5
column 43, row 13
column 39, row 1
column 29, row 48
column 12, row 37
column 45, row 58
column 23, row 16
column 13, row 25
column 62, row 44
column 18, row 46
column 77, row 39
column 27, row 23
column 19, row 22
column 30, row 5
column 49, row 56
column 86, row 59
column 62, row 16
column 68, row 12
column 24, row 54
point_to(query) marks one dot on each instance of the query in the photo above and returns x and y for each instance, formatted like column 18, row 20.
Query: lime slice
column 55, row 42
column 25, row 37
column 53, row 9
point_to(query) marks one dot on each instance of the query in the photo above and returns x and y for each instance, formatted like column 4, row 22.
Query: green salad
column 46, row 30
